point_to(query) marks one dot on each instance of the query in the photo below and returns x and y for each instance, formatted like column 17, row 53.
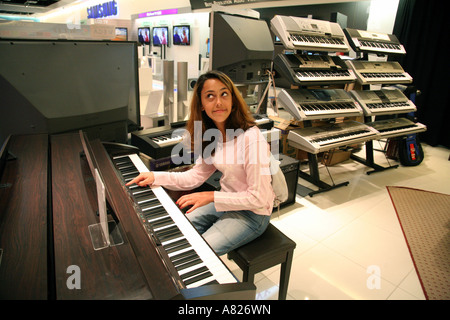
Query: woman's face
column 216, row 101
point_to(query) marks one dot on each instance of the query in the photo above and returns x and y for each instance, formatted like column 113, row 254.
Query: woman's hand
column 143, row 179
column 195, row 200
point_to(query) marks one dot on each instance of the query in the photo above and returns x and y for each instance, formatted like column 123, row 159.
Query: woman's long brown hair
column 240, row 116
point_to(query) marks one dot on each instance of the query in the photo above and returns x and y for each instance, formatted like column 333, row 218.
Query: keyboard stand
column 369, row 161
column 314, row 178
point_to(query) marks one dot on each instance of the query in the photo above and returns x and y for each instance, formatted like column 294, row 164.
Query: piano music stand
column 106, row 233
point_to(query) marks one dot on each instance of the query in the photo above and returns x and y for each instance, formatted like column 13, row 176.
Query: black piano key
column 189, row 264
column 152, row 207
column 197, row 278
column 150, row 215
column 184, row 257
column 145, row 194
column 177, row 245
column 168, row 233
column 129, row 170
column 162, row 222
column 194, row 272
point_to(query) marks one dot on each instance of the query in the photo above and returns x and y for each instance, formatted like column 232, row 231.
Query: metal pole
column 168, row 99
column 182, row 88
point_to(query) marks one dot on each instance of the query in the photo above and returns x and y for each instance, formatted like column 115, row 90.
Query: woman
column 241, row 210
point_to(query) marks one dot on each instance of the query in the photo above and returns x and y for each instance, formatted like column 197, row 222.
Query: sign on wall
column 103, row 10
column 201, row 4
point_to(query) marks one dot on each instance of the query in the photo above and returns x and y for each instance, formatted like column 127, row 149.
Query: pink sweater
column 246, row 180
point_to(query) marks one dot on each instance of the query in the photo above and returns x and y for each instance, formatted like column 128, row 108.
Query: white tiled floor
column 348, row 235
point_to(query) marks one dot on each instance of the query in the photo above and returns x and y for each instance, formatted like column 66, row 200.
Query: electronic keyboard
column 374, row 42
column 263, row 121
column 323, row 138
column 303, row 69
column 157, row 142
column 378, row 72
column 304, row 104
column 396, row 127
column 309, row 34
column 382, row 102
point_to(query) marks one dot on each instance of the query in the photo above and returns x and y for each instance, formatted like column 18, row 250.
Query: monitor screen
column 121, row 34
column 241, row 47
column 160, row 36
column 181, row 35
column 56, row 86
column 144, row 35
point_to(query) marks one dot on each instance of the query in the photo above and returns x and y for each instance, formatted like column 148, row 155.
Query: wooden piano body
column 48, row 200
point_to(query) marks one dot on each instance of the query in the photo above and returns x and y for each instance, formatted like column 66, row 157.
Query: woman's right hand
column 143, row 179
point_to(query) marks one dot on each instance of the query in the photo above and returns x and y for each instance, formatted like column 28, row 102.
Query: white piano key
column 220, row 272
column 214, row 263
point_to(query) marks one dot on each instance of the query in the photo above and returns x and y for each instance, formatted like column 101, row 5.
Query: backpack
column 279, row 184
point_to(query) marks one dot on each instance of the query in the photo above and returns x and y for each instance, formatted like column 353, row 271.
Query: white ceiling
column 24, row 8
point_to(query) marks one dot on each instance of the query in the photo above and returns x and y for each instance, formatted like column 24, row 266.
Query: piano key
column 184, row 257
column 176, row 246
column 162, row 222
column 180, row 236
column 194, row 272
column 187, row 264
column 200, row 276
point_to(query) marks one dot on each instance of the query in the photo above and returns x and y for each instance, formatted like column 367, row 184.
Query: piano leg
column 314, row 178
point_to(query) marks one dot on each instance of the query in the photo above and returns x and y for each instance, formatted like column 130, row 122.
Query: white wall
column 199, row 34
column 382, row 16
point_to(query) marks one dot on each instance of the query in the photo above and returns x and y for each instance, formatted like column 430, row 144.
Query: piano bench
column 266, row 251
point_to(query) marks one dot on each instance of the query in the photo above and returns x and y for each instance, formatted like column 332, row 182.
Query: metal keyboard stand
column 369, row 160
column 314, row 176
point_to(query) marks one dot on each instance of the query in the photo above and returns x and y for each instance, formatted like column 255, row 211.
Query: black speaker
column 191, row 83
column 288, row 165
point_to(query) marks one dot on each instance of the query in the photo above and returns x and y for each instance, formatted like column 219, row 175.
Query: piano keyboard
column 397, row 127
column 382, row 102
column 304, row 104
column 157, row 142
column 380, row 72
column 263, row 121
column 301, row 69
column 367, row 41
column 309, row 34
column 167, row 139
column 323, row 138
column 196, row 263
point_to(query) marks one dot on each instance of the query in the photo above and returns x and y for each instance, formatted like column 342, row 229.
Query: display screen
column 181, row 35
column 160, row 36
column 144, row 35
column 121, row 34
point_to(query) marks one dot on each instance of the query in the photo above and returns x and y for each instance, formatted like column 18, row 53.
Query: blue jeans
column 227, row 230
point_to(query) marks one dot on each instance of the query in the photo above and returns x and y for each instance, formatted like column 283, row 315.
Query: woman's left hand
column 195, row 200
